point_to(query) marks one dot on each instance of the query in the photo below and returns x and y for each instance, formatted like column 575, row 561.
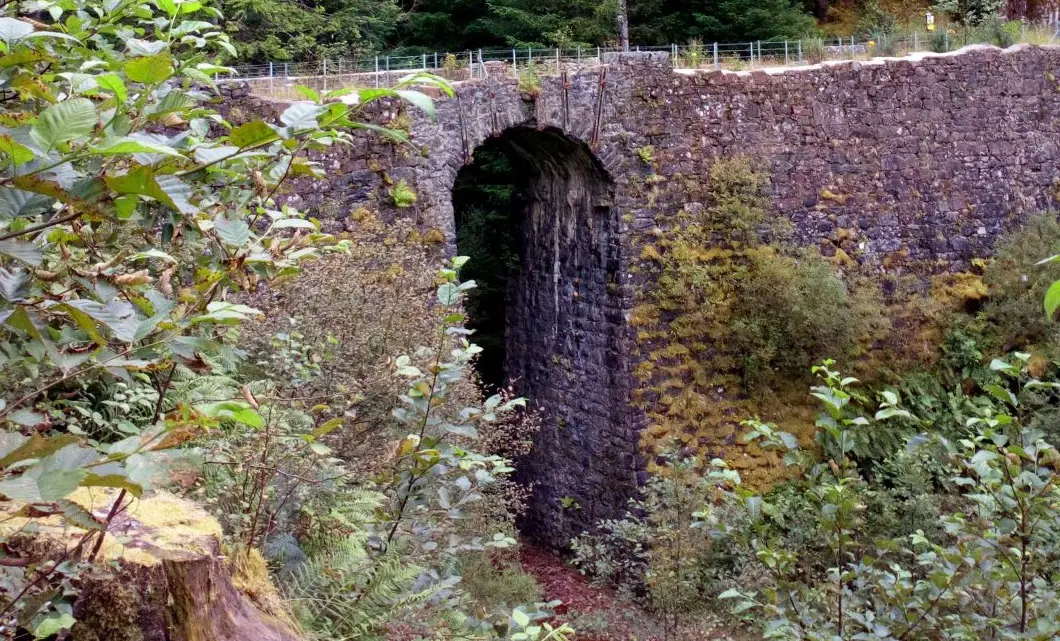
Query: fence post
column 387, row 76
column 470, row 66
column 377, row 72
column 515, row 65
column 717, row 62
column 436, row 60
column 325, row 74
column 425, row 62
column 1023, row 29
column 557, row 59
column 673, row 51
column 285, row 74
column 270, row 77
column 947, row 34
column 481, row 64
column 800, row 51
column 599, row 60
column 759, row 52
column 785, row 53
column 579, row 56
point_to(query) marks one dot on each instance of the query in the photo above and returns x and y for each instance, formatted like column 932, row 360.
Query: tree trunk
column 170, row 583
column 623, row 26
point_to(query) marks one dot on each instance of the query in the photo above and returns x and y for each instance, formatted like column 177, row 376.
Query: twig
column 42, row 226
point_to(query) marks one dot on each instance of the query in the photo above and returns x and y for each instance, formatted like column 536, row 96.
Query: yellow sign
column 930, row 21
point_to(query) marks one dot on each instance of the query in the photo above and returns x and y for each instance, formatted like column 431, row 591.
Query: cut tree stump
column 161, row 575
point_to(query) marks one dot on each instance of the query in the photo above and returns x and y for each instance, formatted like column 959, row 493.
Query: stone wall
column 901, row 164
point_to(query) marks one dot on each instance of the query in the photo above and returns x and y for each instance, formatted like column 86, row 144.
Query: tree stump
column 160, row 575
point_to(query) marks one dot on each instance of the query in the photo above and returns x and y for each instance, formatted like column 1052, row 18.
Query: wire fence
column 281, row 79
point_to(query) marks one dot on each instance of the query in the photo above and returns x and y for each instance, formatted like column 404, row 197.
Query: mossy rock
column 160, row 574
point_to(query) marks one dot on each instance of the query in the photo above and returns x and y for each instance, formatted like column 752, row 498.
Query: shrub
column 789, row 312
column 1016, row 285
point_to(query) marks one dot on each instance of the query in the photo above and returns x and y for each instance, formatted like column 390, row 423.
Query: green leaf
column 130, row 145
column 114, row 84
column 234, row 232
column 112, row 480
column 1052, row 299
column 326, row 427
column 65, row 121
column 59, row 484
column 18, row 153
column 522, row 619
column 302, row 115
column 37, row 447
column 252, row 133
column 119, row 316
column 23, row 251
column 141, row 180
column 53, row 624
column 419, row 100
column 150, row 69
column 12, row 30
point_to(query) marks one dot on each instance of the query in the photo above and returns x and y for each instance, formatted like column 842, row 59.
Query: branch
column 35, row 228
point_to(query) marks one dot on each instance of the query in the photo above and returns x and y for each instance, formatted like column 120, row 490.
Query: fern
column 344, row 592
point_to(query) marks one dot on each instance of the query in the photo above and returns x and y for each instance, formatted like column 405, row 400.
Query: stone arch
column 564, row 332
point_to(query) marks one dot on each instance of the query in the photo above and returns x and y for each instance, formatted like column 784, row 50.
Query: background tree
column 280, row 30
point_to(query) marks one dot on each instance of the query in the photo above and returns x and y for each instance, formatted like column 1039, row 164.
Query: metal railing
column 280, row 79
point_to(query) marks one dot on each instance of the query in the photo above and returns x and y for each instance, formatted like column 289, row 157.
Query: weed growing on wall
column 728, row 314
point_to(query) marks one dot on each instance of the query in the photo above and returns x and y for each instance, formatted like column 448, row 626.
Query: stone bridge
column 927, row 158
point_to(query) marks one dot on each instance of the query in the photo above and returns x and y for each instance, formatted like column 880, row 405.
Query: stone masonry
column 921, row 160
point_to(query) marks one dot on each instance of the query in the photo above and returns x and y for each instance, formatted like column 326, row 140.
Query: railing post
column 759, row 52
column 481, row 64
column 515, row 65
column 436, row 60
column 557, row 60
column 270, row 77
column 599, row 59
column 916, row 41
column 285, row 74
column 470, row 66
column 325, row 74
column 387, row 76
column 425, row 62
column 717, row 61
column 786, row 53
column 752, row 53
column 377, row 72
column 800, row 51
column 579, row 56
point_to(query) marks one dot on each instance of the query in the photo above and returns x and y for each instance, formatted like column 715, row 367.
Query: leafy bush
column 1016, row 285
column 130, row 215
column 988, row 569
column 787, row 312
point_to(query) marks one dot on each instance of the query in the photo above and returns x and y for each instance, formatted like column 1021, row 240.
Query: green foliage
column 969, row 13
column 1017, row 284
column 275, row 30
column 130, row 216
column 657, row 552
column 402, row 195
column 495, row 583
column 787, row 312
column 1005, row 555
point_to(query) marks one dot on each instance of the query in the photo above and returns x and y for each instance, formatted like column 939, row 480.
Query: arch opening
column 535, row 212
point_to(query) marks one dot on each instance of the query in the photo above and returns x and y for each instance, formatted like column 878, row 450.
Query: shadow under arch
column 535, row 211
